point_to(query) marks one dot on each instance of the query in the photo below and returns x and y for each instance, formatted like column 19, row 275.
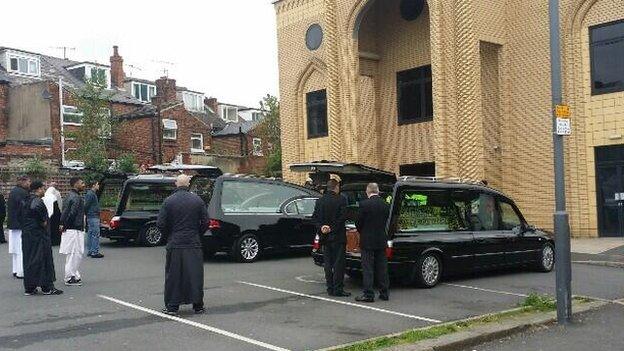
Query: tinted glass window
column 110, row 193
column 428, row 210
column 250, row 197
column 291, row 208
column 483, row 215
column 148, row 197
column 414, row 95
column 607, row 55
column 509, row 216
column 203, row 188
column 306, row 206
column 316, row 104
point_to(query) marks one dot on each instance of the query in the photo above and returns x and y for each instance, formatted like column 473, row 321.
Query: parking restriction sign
column 564, row 126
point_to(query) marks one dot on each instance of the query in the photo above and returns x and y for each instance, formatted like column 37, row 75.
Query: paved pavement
column 275, row 304
column 599, row 251
column 599, row 330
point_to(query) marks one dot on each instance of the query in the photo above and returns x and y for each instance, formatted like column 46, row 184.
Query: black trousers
column 334, row 264
column 375, row 267
column 2, row 230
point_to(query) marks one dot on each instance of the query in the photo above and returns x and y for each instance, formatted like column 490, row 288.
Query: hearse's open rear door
column 320, row 171
column 203, row 177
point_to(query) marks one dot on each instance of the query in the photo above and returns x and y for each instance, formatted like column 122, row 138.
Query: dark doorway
column 426, row 169
column 610, row 190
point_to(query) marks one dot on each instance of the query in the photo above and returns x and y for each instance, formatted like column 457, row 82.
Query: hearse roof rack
column 454, row 180
column 252, row 176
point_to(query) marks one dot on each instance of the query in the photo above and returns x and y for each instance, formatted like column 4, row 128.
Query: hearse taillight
column 114, row 222
column 389, row 250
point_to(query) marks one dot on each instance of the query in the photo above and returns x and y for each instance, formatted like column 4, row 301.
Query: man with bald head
column 183, row 218
column 371, row 225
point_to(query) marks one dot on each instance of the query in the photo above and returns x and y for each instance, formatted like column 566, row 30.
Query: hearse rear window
column 148, row 197
column 110, row 194
column 250, row 197
column 428, row 210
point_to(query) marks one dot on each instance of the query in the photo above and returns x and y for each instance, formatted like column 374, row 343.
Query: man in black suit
column 371, row 224
column 329, row 217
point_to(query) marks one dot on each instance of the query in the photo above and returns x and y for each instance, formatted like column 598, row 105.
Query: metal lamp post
column 563, row 264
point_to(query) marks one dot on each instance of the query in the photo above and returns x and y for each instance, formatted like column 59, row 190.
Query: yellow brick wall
column 491, row 74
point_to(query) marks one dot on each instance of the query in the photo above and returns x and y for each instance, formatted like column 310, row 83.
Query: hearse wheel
column 546, row 258
column 150, row 235
column 428, row 271
column 246, row 249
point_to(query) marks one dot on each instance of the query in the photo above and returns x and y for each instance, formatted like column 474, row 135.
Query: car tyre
column 246, row 249
column 546, row 258
column 427, row 271
column 150, row 235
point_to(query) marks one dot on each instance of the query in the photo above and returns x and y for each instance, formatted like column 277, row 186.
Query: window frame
column 77, row 113
column 594, row 91
column 197, row 101
column 23, row 56
column 397, row 207
column 196, row 136
column 165, row 129
column 422, row 83
column 257, row 152
column 225, row 113
column 309, row 106
column 501, row 200
column 149, row 88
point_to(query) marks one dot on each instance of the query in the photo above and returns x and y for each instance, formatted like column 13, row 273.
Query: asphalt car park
column 277, row 303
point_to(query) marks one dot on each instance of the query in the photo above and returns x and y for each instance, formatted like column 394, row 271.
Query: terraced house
column 159, row 122
column 460, row 88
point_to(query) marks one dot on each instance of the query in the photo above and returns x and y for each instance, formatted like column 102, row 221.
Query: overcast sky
column 225, row 48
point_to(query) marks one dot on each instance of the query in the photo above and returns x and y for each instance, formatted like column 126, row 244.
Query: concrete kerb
column 481, row 333
column 601, row 263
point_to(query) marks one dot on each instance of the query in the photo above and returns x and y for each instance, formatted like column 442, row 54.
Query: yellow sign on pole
column 562, row 111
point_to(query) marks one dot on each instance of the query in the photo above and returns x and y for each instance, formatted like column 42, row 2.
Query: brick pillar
column 4, row 111
column 117, row 73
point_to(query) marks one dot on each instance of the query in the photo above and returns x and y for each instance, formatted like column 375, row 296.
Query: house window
column 414, row 95
column 607, row 55
column 98, row 77
column 170, row 129
column 257, row 116
column 72, row 116
column 193, row 101
column 316, row 104
column 23, row 64
column 197, row 142
column 143, row 92
column 257, row 146
column 229, row 113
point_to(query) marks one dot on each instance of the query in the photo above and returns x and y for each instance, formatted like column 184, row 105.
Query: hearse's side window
column 509, row 216
column 300, row 206
column 427, row 211
column 252, row 197
column 483, row 215
column 148, row 197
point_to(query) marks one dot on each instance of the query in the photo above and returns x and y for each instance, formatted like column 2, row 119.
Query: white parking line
column 307, row 279
column 195, row 324
column 430, row 320
column 486, row 290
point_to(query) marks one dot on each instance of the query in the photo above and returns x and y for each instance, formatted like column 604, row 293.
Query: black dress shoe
column 364, row 298
column 199, row 310
column 170, row 312
column 342, row 294
column 384, row 297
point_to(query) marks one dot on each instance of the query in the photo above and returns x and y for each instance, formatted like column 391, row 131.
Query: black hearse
column 248, row 215
column 441, row 227
column 130, row 205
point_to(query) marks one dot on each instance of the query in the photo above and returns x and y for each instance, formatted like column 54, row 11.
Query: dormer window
column 193, row 101
column 24, row 64
column 92, row 72
column 229, row 113
column 257, row 116
column 143, row 92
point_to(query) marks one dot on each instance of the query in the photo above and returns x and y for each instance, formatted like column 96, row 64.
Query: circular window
column 411, row 9
column 314, row 37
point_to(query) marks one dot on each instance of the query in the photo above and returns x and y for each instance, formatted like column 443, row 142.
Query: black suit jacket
column 330, row 210
column 371, row 223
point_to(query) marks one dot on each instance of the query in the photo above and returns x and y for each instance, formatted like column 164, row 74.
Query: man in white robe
column 16, row 198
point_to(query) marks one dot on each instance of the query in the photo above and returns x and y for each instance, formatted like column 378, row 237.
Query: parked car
column 251, row 216
column 130, row 206
column 439, row 228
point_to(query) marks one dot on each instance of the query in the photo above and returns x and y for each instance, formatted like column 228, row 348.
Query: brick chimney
column 165, row 91
column 117, row 73
column 212, row 103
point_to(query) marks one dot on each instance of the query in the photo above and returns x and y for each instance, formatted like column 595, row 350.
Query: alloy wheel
column 548, row 257
column 249, row 248
column 430, row 270
column 153, row 235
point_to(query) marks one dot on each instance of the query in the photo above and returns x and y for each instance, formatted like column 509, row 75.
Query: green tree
column 92, row 101
column 126, row 163
column 35, row 168
column 270, row 132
